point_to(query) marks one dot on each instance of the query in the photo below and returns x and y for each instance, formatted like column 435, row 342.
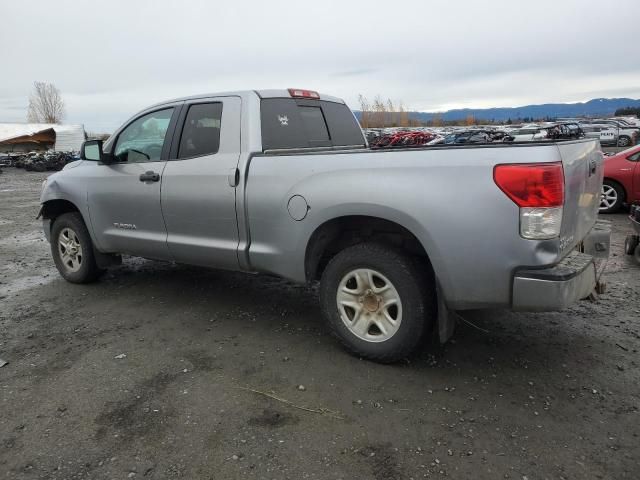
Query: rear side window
column 201, row 132
column 297, row 123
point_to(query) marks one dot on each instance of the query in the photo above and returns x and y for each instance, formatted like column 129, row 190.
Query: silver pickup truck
column 283, row 182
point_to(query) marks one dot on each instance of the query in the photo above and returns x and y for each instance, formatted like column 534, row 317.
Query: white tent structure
column 62, row 138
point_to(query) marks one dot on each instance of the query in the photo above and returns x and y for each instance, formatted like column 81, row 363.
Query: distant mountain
column 593, row 108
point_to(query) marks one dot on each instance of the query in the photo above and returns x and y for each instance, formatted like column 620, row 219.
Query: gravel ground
column 166, row 371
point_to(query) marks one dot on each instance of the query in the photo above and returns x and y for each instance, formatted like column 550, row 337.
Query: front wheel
column 624, row 141
column 611, row 197
column 72, row 249
column 379, row 302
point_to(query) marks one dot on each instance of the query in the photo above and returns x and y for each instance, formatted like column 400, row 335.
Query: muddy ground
column 156, row 372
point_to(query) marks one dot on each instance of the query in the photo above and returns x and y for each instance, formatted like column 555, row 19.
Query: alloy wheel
column 608, row 197
column 70, row 249
column 369, row 305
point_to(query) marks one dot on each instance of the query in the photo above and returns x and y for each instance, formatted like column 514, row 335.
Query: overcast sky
column 112, row 58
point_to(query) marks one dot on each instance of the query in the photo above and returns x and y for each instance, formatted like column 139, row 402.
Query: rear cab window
column 289, row 123
column 201, row 131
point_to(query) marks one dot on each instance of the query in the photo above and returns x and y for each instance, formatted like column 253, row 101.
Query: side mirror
column 92, row 150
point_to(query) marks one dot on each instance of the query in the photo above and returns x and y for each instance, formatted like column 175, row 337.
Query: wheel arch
column 51, row 209
column 54, row 208
column 341, row 232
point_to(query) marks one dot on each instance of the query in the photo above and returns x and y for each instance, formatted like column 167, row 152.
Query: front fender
column 62, row 186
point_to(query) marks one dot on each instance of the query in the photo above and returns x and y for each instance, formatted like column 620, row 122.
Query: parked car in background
column 607, row 135
column 621, row 183
column 547, row 131
column 528, row 134
column 630, row 120
column 626, row 134
column 475, row 136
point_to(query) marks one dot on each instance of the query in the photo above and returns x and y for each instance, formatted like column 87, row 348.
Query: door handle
column 149, row 176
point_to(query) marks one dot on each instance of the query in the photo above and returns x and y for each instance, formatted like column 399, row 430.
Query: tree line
column 381, row 113
column 628, row 111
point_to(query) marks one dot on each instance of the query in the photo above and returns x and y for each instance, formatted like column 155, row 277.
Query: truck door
column 199, row 184
column 124, row 197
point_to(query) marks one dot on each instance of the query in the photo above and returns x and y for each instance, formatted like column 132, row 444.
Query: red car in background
column 621, row 180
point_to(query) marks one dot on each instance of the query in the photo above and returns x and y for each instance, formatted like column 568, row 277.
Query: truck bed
column 444, row 194
column 358, row 149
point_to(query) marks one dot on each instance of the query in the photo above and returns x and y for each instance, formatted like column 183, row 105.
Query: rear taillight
column 298, row 93
column 538, row 189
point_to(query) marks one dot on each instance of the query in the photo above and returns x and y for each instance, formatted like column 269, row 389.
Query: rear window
column 300, row 123
column 314, row 124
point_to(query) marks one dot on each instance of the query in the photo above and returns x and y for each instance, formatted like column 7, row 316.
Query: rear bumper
column 574, row 278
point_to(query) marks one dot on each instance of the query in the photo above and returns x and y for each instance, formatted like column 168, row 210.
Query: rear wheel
column 377, row 301
column 611, row 197
column 72, row 249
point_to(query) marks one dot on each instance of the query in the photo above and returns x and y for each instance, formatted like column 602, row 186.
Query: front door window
column 142, row 140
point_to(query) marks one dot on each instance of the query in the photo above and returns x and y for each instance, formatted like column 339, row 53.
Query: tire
column 624, row 141
column 630, row 244
column 72, row 249
column 612, row 197
column 357, row 285
column 636, row 254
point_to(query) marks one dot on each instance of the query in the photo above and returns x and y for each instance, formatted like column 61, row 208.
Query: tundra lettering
column 125, row 226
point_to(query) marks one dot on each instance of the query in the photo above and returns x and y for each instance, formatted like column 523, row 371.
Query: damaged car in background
column 284, row 182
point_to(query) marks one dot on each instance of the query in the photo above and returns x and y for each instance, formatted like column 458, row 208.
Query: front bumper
column 572, row 279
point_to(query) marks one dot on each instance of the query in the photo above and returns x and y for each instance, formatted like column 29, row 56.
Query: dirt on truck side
column 169, row 371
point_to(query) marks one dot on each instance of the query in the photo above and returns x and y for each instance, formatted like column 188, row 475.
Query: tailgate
column 583, row 170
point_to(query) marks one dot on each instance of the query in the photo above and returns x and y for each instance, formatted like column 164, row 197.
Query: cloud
column 427, row 55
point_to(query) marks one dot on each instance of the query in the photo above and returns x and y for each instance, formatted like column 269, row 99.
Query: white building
column 25, row 137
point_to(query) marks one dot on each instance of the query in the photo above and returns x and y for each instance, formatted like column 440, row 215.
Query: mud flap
column 446, row 318
column 104, row 260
